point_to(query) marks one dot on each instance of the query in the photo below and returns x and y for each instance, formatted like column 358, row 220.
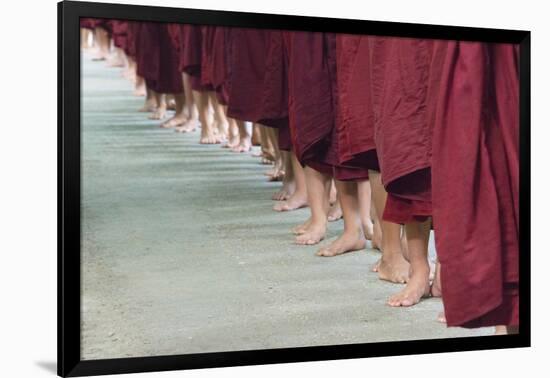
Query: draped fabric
column 475, row 179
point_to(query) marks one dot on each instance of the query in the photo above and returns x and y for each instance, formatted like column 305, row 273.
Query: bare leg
column 140, row 89
column 245, row 131
column 232, row 134
column 84, row 39
column 179, row 118
column 207, row 132
column 352, row 239
column 365, row 198
column 255, row 135
column 160, row 112
column 151, row 103
column 289, row 185
column 268, row 144
column 190, row 108
column 392, row 266
column 102, row 38
column 222, row 124
column 318, row 188
column 271, row 139
column 376, row 241
column 299, row 198
column 116, row 59
column 335, row 211
column 418, row 285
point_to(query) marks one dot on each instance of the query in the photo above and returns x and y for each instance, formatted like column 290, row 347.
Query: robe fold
column 191, row 60
column 120, row 33
column 405, row 77
column 257, row 88
column 356, row 146
column 475, row 184
column 157, row 60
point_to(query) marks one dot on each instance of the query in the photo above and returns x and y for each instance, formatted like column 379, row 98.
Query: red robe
column 132, row 36
column 354, row 136
column 190, row 60
column 87, row 23
column 405, row 73
column 215, row 60
column 120, row 33
column 475, row 184
column 157, row 60
column 257, row 89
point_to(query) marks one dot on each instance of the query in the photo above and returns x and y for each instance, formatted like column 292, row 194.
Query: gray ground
column 182, row 253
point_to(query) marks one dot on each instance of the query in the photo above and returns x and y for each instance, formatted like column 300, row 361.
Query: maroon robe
column 157, row 60
column 215, row 60
column 356, row 145
column 311, row 104
column 92, row 23
column 132, row 36
column 354, row 135
column 190, row 60
column 87, row 23
column 405, row 73
column 314, row 103
column 257, row 89
column 475, row 184
column 120, row 33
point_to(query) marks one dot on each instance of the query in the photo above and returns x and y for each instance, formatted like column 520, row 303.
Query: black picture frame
column 69, row 361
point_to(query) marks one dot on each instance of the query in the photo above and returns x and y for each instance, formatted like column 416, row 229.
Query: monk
column 357, row 161
column 256, row 92
column 194, row 62
column 477, row 124
column 158, row 64
column 311, row 82
column 405, row 73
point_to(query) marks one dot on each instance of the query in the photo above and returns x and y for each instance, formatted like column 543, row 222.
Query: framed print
column 240, row 188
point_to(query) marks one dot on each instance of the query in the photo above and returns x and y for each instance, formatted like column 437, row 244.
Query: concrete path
column 182, row 253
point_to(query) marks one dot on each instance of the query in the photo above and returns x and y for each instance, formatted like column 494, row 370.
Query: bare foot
column 393, row 268
column 208, row 138
column 301, row 228
column 175, row 121
column 243, row 146
column 347, row 242
column 277, row 173
column 286, row 191
column 232, row 142
column 160, row 113
column 417, row 288
column 187, row 127
column 149, row 106
column 314, row 234
column 376, row 266
column 335, row 212
column 266, row 161
column 441, row 317
column 171, row 105
column 140, row 92
column 376, row 241
column 296, row 201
